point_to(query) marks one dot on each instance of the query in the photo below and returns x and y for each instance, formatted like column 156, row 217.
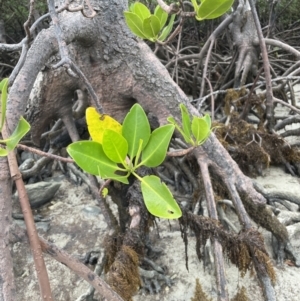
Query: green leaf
column 186, row 121
column 3, row 89
column 151, row 27
column 156, row 149
column 135, row 23
column 89, row 156
column 131, row 7
column 20, row 131
column 187, row 139
column 135, row 127
column 114, row 146
column 195, row 4
column 161, row 15
column 207, row 120
column 158, row 198
column 200, row 129
column 213, row 9
column 166, row 31
column 137, row 158
column 141, row 10
column 3, row 152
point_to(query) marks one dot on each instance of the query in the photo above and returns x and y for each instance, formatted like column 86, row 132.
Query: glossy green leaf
column 114, row 146
column 161, row 15
column 20, row 131
column 156, row 149
column 137, row 158
column 3, row 89
column 166, row 31
column 141, row 10
column 207, row 120
column 200, row 129
column 158, row 198
column 3, row 152
column 186, row 121
column 135, row 24
column 151, row 27
column 187, row 139
column 213, row 9
column 89, row 156
column 195, row 4
column 135, row 127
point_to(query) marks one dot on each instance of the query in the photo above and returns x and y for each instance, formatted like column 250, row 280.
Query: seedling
column 117, row 151
column 194, row 132
column 146, row 25
column 152, row 26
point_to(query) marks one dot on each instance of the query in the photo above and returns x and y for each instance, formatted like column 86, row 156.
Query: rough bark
column 7, row 288
column 246, row 41
column 122, row 69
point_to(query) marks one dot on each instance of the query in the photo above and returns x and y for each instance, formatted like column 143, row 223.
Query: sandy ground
column 77, row 226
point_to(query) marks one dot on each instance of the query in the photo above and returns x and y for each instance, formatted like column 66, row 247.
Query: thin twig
column 28, row 21
column 266, row 64
column 286, row 104
column 39, row 263
column 44, row 154
column 180, row 152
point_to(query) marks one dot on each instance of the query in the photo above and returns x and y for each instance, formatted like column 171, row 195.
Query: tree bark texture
column 7, row 288
column 245, row 39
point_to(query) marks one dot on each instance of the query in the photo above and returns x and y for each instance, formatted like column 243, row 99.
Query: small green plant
column 146, row 25
column 117, row 151
column 194, row 132
column 152, row 26
column 20, row 131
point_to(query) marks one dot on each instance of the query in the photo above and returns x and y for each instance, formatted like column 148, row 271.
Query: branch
column 37, row 255
column 203, row 50
column 284, row 46
column 211, row 206
column 44, row 154
column 266, row 64
column 73, row 264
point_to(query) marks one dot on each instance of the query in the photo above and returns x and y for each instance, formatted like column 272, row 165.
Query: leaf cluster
column 195, row 131
column 117, row 151
column 146, row 25
column 152, row 26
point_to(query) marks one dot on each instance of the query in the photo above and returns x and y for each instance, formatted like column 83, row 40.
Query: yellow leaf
column 98, row 123
column 104, row 192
